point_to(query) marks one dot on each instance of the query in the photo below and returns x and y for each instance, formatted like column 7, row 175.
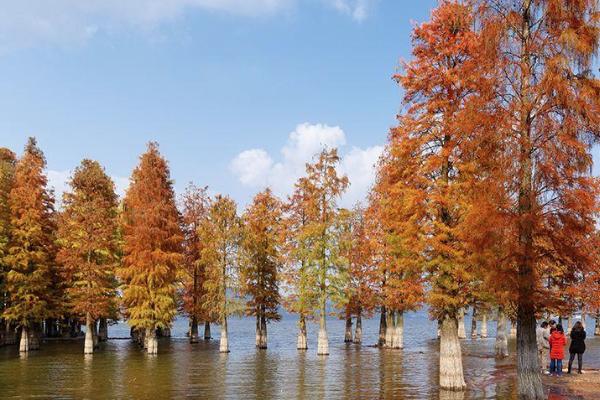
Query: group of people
column 551, row 342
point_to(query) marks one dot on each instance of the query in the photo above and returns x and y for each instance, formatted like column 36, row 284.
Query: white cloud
column 59, row 182
column 256, row 169
column 357, row 9
column 30, row 22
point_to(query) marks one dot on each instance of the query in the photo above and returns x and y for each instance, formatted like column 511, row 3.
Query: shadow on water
column 120, row 369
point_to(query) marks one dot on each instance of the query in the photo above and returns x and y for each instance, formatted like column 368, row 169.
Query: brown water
column 120, row 370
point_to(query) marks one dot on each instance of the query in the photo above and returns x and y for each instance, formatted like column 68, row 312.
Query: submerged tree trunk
column 263, row 333
column 24, row 342
column 348, row 331
column 474, row 324
column 501, row 346
column 389, row 329
column 322, row 340
column 302, row 343
column 34, row 337
column 398, row 337
column 193, row 330
column 103, row 330
column 257, row 333
column 152, row 342
column 382, row 326
column 462, row 334
column 529, row 380
column 88, row 347
column 224, row 342
column 451, row 369
column 207, row 331
column 95, row 334
column 358, row 330
column 484, row 332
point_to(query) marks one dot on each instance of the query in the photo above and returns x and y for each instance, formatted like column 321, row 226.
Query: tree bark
column 358, row 330
column 348, row 331
column 501, row 346
column 583, row 318
column 398, row 338
column 302, row 343
column 103, row 330
column 152, row 342
column 207, row 331
column 529, row 380
column 389, row 329
column 263, row 333
column 451, row 369
column 474, row 324
column 88, row 347
column 462, row 334
column 194, row 330
column 24, row 343
column 382, row 326
column 513, row 329
column 484, row 332
column 322, row 340
column 224, row 342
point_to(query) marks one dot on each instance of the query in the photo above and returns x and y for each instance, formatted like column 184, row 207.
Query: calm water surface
column 120, row 370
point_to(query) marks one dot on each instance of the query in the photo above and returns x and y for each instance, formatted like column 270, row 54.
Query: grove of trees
column 483, row 199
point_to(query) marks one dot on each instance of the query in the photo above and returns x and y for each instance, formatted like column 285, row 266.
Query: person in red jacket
column 557, row 350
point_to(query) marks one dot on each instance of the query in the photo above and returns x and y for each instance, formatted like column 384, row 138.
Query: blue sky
column 239, row 93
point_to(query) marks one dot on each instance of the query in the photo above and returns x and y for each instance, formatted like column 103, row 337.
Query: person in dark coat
column 577, row 346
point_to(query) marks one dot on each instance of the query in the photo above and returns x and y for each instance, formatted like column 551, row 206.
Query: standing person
column 542, row 336
column 557, row 350
column 577, row 346
column 552, row 325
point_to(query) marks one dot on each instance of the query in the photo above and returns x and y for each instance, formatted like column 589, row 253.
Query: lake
column 121, row 370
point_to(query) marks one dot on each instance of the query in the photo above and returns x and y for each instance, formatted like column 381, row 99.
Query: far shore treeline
column 483, row 199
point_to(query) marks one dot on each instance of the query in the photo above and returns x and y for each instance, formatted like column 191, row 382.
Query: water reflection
column 120, row 369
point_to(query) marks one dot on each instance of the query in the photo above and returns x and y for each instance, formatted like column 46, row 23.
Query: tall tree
column 325, row 234
column 152, row 247
column 221, row 232
column 433, row 167
column 261, row 261
column 89, row 247
column 196, row 206
column 7, row 174
column 30, row 250
column 548, row 103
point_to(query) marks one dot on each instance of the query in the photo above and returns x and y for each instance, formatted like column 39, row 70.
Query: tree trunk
column 302, row 343
column 207, row 331
column 224, row 342
column 88, row 347
column 501, row 345
column 513, row 329
column 484, row 333
column 583, row 318
column 34, row 337
column 322, row 340
column 439, row 328
column 95, row 334
column 146, row 338
column 389, row 329
column 258, row 334
column 451, row 369
column 24, row 343
column 103, row 330
column 263, row 333
column 152, row 342
column 529, row 380
column 597, row 324
column 474, row 324
column 462, row 334
column 358, row 330
column 568, row 330
column 348, row 332
column 398, row 338
column 382, row 326
column 194, row 330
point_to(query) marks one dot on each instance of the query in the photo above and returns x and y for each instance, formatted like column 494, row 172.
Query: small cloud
column 357, row 9
column 256, row 169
